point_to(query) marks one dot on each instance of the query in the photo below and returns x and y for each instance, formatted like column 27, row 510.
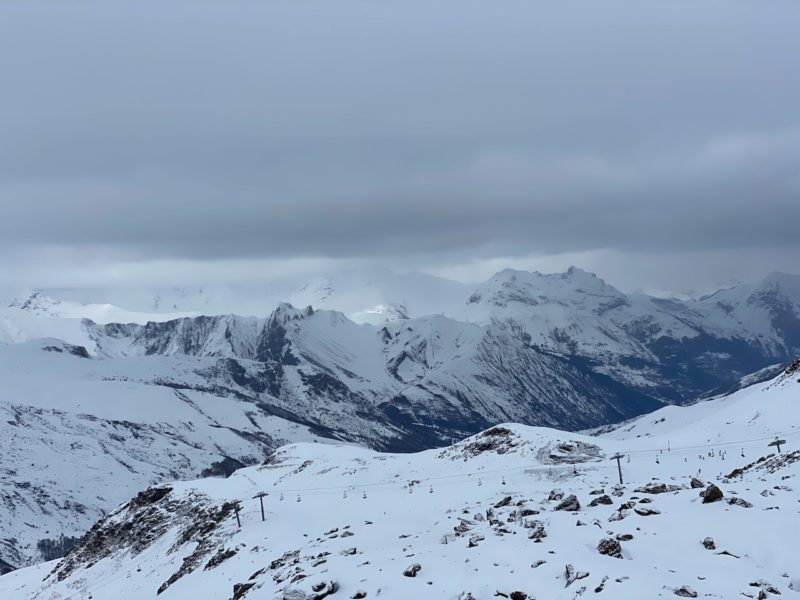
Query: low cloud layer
column 446, row 136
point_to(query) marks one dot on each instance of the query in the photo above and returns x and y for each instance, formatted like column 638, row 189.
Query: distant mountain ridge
column 178, row 397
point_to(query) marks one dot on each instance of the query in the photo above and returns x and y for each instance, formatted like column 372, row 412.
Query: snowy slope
column 487, row 517
column 78, row 435
column 141, row 403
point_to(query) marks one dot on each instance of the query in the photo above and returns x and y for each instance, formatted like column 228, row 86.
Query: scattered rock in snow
column 359, row 595
column 696, row 483
column 537, row 532
column 685, row 592
column 708, row 544
column 538, row 563
column 610, row 547
column 646, row 511
column 601, row 500
column 619, row 515
column 555, row 495
column 412, row 570
column 711, row 494
column 504, row 502
column 570, row 503
column 738, row 502
column 518, row 596
column 656, row 488
column 572, row 575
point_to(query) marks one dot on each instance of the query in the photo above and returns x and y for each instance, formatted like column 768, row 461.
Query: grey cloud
column 425, row 134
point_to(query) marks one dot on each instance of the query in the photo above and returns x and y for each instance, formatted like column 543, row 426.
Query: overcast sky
column 657, row 144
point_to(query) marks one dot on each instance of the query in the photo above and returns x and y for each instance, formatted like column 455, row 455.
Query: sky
column 148, row 143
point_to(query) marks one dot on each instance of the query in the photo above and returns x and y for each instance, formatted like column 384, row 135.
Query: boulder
column 696, row 483
column 569, row 503
column 610, row 547
column 711, row 494
column 601, row 500
column 685, row 592
column 708, row 544
column 738, row 502
column 656, row 488
column 412, row 570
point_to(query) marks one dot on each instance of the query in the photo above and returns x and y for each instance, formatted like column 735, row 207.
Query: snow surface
column 359, row 518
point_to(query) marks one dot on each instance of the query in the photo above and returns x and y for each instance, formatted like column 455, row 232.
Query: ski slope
column 480, row 518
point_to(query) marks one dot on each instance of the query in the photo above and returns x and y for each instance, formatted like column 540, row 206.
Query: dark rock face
column 610, row 547
column 711, row 494
column 148, row 516
column 6, row 568
column 570, row 503
column 696, row 483
column 53, row 549
column 240, row 589
column 222, row 468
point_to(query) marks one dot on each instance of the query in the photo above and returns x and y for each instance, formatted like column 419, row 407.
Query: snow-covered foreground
column 488, row 517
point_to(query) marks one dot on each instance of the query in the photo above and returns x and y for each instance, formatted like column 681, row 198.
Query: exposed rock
column 504, row 502
column 359, row 595
column 601, row 500
column 555, row 495
column 696, row 483
column 412, row 570
column 572, row 575
column 624, row 537
column 646, row 511
column 711, row 494
column 570, row 503
column 537, row 533
column 656, row 488
column 708, row 544
column 738, row 502
column 538, row 563
column 240, row 589
column 221, row 556
column 518, row 596
column 610, row 547
column 685, row 592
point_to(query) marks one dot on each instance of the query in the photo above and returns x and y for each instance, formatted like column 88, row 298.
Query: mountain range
column 703, row 505
column 132, row 397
